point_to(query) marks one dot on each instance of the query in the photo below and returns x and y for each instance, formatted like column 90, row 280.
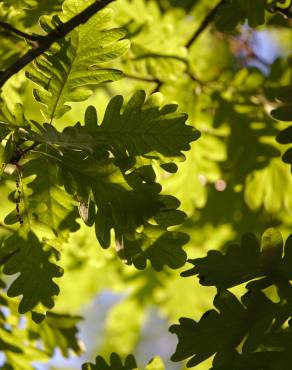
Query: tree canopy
column 145, row 163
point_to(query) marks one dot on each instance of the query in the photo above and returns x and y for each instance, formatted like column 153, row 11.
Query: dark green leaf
column 35, row 281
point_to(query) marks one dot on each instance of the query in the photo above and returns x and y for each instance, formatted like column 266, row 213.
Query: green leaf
column 125, row 193
column 228, row 17
column 285, row 136
column 254, row 11
column 115, row 363
column 43, row 206
column 269, row 187
column 157, row 46
column 6, row 151
column 75, row 137
column 227, row 328
column 240, row 263
column 13, row 118
column 70, row 73
column 58, row 331
column 138, row 129
column 125, row 203
column 32, row 261
column 233, row 12
column 143, row 128
column 155, row 364
column 161, row 248
column 15, row 347
column 244, row 262
column 271, row 248
column 283, row 113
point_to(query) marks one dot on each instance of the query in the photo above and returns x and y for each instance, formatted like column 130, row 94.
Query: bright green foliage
column 182, row 154
column 123, row 194
column 19, row 343
column 123, row 208
column 157, row 48
column 28, row 12
column 46, row 209
column 67, row 75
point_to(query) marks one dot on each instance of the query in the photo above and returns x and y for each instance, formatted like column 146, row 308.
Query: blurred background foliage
column 232, row 181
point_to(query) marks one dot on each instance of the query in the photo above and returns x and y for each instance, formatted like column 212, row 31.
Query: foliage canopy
column 157, row 131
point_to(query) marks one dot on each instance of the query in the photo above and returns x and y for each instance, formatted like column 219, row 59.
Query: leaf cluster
column 248, row 333
column 85, row 163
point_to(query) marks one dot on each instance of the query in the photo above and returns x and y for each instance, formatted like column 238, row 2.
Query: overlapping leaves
column 121, row 190
column 145, row 127
column 11, row 120
column 140, row 128
column 107, row 169
column 23, row 344
column 15, row 348
column 157, row 48
column 41, row 204
column 256, row 323
column 70, row 73
column 245, row 261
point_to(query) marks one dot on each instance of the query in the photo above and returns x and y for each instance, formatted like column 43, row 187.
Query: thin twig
column 58, row 33
column 15, row 31
column 260, row 59
column 287, row 11
column 144, row 79
column 209, row 18
column 158, row 86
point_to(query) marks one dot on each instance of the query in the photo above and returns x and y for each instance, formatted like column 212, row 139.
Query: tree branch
column 209, row 18
column 287, row 11
column 45, row 42
column 15, row 31
column 144, row 79
column 260, row 59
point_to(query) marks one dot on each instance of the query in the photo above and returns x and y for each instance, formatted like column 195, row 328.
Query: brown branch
column 58, row 33
column 15, row 31
column 209, row 18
